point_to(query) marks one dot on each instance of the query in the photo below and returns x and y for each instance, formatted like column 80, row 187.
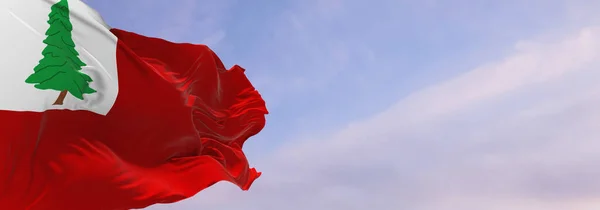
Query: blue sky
column 397, row 104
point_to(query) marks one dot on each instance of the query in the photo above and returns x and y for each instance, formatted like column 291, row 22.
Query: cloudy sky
column 404, row 104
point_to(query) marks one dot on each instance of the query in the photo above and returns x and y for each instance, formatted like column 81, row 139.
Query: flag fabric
column 97, row 118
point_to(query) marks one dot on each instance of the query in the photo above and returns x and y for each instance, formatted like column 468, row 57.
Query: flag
column 98, row 118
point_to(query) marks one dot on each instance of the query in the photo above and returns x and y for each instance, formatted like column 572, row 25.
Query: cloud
column 520, row 133
column 532, row 63
column 214, row 39
column 347, row 50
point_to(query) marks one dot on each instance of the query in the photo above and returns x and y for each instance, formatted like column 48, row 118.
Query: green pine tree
column 60, row 68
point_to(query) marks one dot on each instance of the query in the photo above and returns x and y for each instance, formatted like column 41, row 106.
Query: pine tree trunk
column 61, row 98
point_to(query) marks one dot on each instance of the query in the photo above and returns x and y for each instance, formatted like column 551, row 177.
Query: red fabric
column 177, row 127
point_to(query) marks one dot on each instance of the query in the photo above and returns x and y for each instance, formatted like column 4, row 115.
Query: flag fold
column 168, row 122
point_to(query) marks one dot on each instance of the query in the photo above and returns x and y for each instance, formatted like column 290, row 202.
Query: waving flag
column 93, row 117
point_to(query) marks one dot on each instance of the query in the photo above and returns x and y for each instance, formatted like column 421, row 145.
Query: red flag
column 165, row 120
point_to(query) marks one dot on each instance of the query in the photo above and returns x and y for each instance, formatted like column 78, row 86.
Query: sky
column 398, row 104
